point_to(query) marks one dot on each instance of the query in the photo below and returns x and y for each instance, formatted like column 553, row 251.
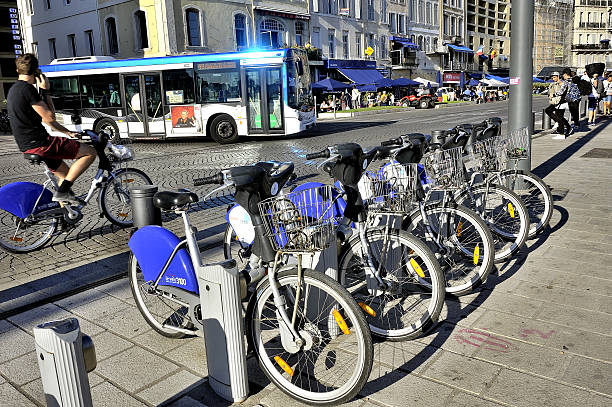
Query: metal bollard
column 223, row 330
column 143, row 211
column 546, row 125
column 533, row 120
column 65, row 356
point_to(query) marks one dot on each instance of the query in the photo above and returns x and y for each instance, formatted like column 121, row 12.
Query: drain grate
column 599, row 153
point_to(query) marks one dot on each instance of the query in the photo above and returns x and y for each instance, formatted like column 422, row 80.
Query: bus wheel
column 223, row 129
column 110, row 127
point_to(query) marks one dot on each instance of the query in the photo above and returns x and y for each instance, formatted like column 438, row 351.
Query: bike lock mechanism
column 65, row 356
column 143, row 211
column 223, row 330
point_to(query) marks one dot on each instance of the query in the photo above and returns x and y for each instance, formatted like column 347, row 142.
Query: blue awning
column 405, row 42
column 361, row 76
column 460, row 48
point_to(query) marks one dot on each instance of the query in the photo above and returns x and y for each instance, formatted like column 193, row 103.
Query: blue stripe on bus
column 180, row 59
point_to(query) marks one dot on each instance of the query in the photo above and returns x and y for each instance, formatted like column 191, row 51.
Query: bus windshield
column 299, row 95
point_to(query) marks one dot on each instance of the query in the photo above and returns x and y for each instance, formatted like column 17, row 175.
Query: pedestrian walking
column 572, row 97
column 392, row 99
column 356, row 97
column 556, row 109
column 593, row 99
column 607, row 101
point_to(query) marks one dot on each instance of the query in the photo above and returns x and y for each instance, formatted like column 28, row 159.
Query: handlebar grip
column 215, row 179
column 322, row 154
column 392, row 142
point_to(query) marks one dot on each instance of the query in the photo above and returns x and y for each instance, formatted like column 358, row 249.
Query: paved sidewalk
column 537, row 334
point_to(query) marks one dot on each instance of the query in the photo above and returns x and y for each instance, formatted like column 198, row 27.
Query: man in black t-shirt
column 27, row 110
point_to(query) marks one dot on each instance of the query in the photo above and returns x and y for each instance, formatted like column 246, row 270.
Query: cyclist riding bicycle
column 27, row 110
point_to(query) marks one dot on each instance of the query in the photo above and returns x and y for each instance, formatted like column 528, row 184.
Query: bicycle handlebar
column 392, row 142
column 322, row 154
column 214, row 179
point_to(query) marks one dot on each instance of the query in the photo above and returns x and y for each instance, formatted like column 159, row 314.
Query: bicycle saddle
column 33, row 158
column 168, row 200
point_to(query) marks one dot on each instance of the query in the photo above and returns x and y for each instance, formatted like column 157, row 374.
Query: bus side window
column 100, row 91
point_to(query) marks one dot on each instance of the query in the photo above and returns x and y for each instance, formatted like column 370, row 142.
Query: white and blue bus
column 222, row 96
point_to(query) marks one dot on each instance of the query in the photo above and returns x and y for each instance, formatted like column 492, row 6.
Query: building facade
column 488, row 25
column 552, row 33
column 592, row 32
column 10, row 46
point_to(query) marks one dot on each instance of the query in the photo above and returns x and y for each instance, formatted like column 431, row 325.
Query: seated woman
column 324, row 106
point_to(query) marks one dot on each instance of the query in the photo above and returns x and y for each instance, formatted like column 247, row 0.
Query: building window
column 72, row 45
column 142, row 39
column 383, row 47
column 358, row 45
column 35, row 49
column 435, row 43
column 371, row 15
column 111, row 35
column 48, row 2
column 436, row 12
column 460, row 27
column 331, row 43
column 383, row 11
column 413, row 10
column 90, row 42
column 330, row 6
column 427, row 44
column 271, row 34
column 52, row 49
column 316, row 37
column 428, row 13
column 372, row 42
column 192, row 20
column 392, row 23
column 29, row 7
column 400, row 25
column 421, row 11
column 240, row 31
column 445, row 24
column 68, row 2
column 299, row 33
column 345, row 44
column 420, row 42
column 453, row 27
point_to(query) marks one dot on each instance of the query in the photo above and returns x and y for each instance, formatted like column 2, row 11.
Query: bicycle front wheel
column 115, row 195
column 411, row 300
column 503, row 212
column 335, row 357
column 233, row 248
column 536, row 196
column 18, row 235
column 460, row 240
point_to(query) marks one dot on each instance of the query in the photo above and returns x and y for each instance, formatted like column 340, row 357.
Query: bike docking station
column 65, row 356
column 221, row 308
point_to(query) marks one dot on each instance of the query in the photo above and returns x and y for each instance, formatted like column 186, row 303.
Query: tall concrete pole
column 521, row 70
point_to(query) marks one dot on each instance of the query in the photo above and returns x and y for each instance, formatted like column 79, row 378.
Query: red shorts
column 59, row 148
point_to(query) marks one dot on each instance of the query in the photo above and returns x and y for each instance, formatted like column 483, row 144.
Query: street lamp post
column 521, row 70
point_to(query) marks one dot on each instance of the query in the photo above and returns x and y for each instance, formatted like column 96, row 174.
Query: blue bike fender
column 18, row 198
column 339, row 205
column 152, row 247
column 240, row 221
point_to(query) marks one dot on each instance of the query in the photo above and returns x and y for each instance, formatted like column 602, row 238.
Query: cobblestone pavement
column 536, row 334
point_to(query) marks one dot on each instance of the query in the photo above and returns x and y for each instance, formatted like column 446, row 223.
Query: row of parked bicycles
column 408, row 222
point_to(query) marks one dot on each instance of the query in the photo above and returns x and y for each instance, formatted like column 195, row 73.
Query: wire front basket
column 488, row 155
column 301, row 221
column 444, row 169
column 390, row 189
column 517, row 144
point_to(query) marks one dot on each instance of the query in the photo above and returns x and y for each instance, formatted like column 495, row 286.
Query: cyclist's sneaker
column 69, row 197
column 559, row 137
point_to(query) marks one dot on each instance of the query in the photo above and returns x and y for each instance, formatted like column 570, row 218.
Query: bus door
column 264, row 99
column 143, row 101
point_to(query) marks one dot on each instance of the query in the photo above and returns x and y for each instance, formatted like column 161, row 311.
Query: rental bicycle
column 29, row 218
column 309, row 335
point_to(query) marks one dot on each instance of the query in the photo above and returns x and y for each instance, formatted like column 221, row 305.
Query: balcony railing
column 603, row 46
column 594, row 3
column 592, row 25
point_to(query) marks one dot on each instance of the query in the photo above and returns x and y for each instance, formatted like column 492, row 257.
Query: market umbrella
column 331, row 85
column 473, row 82
column 384, row 83
column 538, row 80
column 367, row 88
column 405, row 82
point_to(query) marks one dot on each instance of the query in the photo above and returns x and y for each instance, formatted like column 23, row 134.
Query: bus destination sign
column 216, row 65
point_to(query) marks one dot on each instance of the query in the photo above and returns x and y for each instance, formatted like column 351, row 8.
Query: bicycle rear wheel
column 18, row 235
column 115, row 195
column 503, row 212
column 336, row 356
column 410, row 304
column 536, row 196
column 460, row 240
column 161, row 309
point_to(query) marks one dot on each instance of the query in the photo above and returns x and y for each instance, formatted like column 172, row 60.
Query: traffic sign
column 369, row 51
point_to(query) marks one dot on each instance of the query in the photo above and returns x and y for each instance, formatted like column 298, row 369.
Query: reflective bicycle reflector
column 283, row 365
column 476, row 255
column 367, row 309
column 511, row 209
column 417, row 269
column 341, row 322
column 16, row 239
column 128, row 180
column 123, row 214
column 459, row 229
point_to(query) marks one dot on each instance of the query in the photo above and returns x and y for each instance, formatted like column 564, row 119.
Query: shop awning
column 405, row 42
column 460, row 48
column 361, row 76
